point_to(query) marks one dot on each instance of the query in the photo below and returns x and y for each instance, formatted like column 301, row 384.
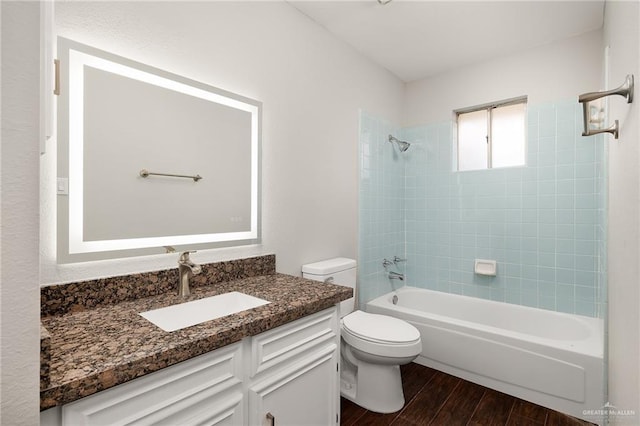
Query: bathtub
column 548, row 358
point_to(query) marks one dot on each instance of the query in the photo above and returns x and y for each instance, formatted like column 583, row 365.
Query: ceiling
column 418, row 39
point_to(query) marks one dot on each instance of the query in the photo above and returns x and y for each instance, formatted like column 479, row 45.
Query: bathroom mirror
column 148, row 159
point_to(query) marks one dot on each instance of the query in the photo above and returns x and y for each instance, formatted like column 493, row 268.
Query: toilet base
column 377, row 388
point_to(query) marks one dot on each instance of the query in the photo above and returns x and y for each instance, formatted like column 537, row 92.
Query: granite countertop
column 98, row 348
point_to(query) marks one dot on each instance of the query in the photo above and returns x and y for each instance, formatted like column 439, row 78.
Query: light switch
column 63, row 186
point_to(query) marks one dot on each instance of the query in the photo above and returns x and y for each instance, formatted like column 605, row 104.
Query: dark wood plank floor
column 436, row 398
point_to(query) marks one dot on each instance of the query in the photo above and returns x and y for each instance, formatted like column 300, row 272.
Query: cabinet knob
column 272, row 419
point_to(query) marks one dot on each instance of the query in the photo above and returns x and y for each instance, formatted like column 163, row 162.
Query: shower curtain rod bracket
column 626, row 90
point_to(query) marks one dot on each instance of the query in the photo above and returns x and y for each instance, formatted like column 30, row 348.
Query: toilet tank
column 339, row 270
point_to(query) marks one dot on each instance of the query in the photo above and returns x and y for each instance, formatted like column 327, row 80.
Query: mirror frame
column 71, row 247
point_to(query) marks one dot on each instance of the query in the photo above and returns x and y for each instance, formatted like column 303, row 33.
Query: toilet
column 372, row 346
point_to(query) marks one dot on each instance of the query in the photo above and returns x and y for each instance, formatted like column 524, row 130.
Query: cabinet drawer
column 203, row 390
column 290, row 341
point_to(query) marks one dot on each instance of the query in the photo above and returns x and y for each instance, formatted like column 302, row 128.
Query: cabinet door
column 304, row 393
column 206, row 390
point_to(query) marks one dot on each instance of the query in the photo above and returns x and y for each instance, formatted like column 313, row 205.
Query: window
column 491, row 136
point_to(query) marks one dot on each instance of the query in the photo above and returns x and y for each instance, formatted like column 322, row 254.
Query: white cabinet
column 304, row 393
column 295, row 373
column 203, row 390
column 285, row 376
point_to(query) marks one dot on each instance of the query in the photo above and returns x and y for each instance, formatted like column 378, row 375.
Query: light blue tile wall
column 544, row 223
column 381, row 205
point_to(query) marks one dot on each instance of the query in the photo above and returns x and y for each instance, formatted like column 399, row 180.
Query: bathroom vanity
column 102, row 363
column 275, row 363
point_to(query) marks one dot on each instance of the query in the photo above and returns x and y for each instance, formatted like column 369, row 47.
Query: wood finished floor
column 436, row 398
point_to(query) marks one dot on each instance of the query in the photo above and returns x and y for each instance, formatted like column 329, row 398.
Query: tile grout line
column 446, row 399
column 476, row 408
column 513, row 405
column 355, row 422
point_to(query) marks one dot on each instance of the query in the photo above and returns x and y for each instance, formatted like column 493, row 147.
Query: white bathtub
column 549, row 358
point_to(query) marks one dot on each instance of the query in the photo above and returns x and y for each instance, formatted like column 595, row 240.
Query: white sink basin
column 187, row 314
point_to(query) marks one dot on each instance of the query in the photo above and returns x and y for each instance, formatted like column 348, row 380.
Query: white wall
column 19, row 180
column 552, row 72
column 621, row 31
column 311, row 86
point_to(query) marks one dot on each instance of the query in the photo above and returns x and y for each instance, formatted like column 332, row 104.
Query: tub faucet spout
column 186, row 269
column 396, row 276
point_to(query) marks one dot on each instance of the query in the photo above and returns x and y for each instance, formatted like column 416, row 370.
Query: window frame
column 489, row 107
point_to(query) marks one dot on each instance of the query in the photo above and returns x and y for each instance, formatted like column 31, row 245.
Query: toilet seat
column 381, row 335
column 380, row 328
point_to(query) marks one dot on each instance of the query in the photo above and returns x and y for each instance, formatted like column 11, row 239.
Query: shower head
column 402, row 145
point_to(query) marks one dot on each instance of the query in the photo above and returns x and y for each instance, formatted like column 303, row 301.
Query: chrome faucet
column 396, row 276
column 186, row 269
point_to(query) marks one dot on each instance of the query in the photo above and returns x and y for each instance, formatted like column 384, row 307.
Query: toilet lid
column 380, row 328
